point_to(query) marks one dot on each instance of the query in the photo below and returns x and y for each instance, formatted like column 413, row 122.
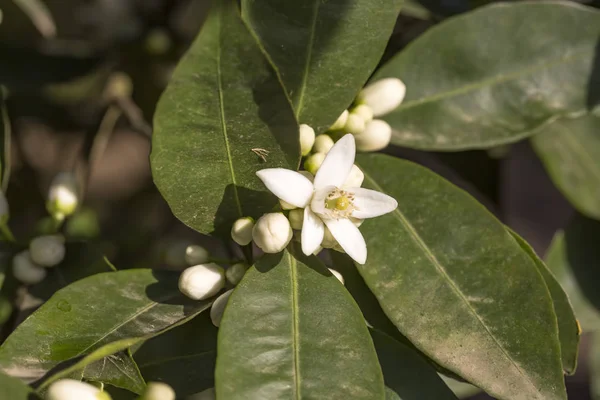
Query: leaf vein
column 309, row 50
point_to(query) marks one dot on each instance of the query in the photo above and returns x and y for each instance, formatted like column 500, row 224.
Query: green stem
column 7, row 233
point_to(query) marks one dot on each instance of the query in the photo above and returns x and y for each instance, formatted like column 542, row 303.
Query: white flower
column 218, row 308
column 355, row 177
column 71, row 389
column 195, row 254
column 236, row 272
column 158, row 391
column 376, row 136
column 25, row 270
column 47, row 251
column 307, row 139
column 323, row 143
column 327, row 202
column 241, row 231
column 62, row 195
column 340, row 122
column 272, row 232
column 383, row 96
column 202, row 281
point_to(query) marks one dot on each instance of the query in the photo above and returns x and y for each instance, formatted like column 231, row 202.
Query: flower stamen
column 339, row 204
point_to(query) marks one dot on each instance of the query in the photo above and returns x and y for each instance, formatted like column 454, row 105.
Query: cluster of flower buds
column 46, row 251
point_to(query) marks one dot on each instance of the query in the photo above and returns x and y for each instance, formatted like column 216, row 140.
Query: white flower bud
column 4, row 210
column 62, row 195
column 241, row 232
column 272, row 232
column 202, row 281
column 208, row 394
column 195, row 254
column 71, row 389
column 307, row 139
column 47, row 251
column 355, row 177
column 323, row 143
column 337, row 275
column 355, row 124
column 313, row 162
column 383, row 96
column 25, row 270
column 340, row 122
column 158, row 391
column 364, row 111
column 218, row 307
column 296, row 218
column 376, row 136
column 235, row 273
column 285, row 205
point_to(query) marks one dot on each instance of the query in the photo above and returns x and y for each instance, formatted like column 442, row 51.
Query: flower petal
column 349, row 237
column 370, row 203
column 288, row 185
column 317, row 204
column 338, row 163
column 312, row 232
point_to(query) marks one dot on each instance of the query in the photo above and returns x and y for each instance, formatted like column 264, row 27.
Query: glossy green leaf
column 184, row 357
column 458, row 285
column 324, row 50
column 406, row 373
column 94, row 312
column 13, row 389
column 291, row 331
column 495, row 75
column 595, row 367
column 119, row 370
column 574, row 258
column 568, row 327
column 223, row 117
column 570, row 151
column 5, row 136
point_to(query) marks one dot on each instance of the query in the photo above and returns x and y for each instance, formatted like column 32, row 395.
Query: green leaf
column 223, row 108
column 404, row 371
column 458, row 286
column 324, row 50
column 494, row 75
column 568, row 327
column 5, row 136
column 574, row 258
column 95, row 312
column 291, row 331
column 570, row 150
column 119, row 370
column 13, row 389
column 595, row 367
column 184, row 357
column 391, row 395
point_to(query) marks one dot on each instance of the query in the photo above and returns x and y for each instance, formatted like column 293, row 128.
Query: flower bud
column 337, row 275
column 208, row 394
column 71, row 389
column 285, row 205
column 235, row 273
column 202, row 281
column 383, row 96
column 365, row 112
column 158, row 391
column 355, row 124
column 376, row 136
column 272, row 232
column 3, row 208
column 62, row 195
column 307, row 139
column 241, row 232
column 195, row 254
column 218, row 307
column 328, row 240
column 323, row 143
column 25, row 270
column 340, row 122
column 313, row 162
column 296, row 218
column 355, row 177
column 47, row 251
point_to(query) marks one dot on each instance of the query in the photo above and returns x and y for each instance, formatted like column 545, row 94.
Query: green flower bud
column 355, row 177
column 376, row 136
column 158, row 391
column 272, row 232
column 202, row 281
column 307, row 139
column 218, row 307
column 285, row 205
column 241, row 232
column 328, row 240
column 235, row 273
column 62, row 195
column 323, row 143
column 296, row 218
column 47, row 251
column 340, row 122
column 195, row 254
column 313, row 162
column 25, row 270
column 355, row 124
column 71, row 389
column 83, row 224
column 365, row 112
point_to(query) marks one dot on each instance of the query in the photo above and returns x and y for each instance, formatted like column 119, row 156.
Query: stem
column 7, row 233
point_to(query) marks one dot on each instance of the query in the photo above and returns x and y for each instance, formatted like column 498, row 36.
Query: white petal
column 370, row 203
column 317, row 204
column 337, row 164
column 312, row 232
column 288, row 185
column 349, row 237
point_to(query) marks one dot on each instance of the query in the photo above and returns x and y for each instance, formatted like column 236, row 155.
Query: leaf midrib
column 309, row 50
column 440, row 268
column 295, row 324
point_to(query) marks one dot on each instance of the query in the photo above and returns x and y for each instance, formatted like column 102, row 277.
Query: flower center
column 339, row 203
